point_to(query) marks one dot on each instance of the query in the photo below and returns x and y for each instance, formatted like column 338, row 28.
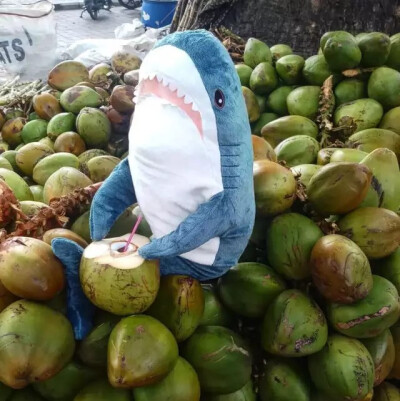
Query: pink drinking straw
column 140, row 217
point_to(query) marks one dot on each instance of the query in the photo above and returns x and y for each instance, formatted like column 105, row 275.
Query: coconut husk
column 57, row 215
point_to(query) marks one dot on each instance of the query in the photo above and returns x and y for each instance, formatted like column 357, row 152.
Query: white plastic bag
column 28, row 39
column 129, row 31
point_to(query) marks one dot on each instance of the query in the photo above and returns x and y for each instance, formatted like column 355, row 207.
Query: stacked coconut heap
column 311, row 312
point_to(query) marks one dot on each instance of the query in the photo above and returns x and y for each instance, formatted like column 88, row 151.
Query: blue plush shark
column 189, row 167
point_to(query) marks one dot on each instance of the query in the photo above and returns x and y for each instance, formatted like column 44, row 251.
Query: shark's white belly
column 174, row 170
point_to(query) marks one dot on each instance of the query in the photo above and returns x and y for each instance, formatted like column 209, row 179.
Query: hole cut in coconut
column 121, row 247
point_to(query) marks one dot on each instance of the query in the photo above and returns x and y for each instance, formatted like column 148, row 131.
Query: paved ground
column 70, row 27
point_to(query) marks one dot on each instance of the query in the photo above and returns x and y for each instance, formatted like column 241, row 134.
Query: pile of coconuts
column 311, row 312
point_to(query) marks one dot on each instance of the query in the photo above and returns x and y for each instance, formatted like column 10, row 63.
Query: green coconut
column 304, row 172
column 248, row 288
column 179, row 305
column 215, row 313
column 81, row 226
column 4, row 163
column 351, row 359
column 375, row 230
column 10, row 155
column 60, row 123
column 64, row 181
column 92, row 350
column 74, row 99
column 141, row 352
column 358, row 115
column 17, row 184
column 395, row 330
column 282, row 378
column 347, row 155
column 298, row 149
column 341, row 52
column 34, row 131
column 263, row 79
column 278, row 130
column 294, row 326
column 316, row 70
column 264, row 119
column 181, row 384
column 370, row 316
column 280, row 50
column 37, row 330
column 246, row 393
column 289, row 68
column 384, row 87
column 382, row 351
column 385, row 169
column 386, row 392
column 119, row 282
column 389, row 268
column 350, row 90
column 37, row 192
column 339, row 188
column 277, row 100
column 375, row 48
column 101, row 390
column 391, row 120
column 50, row 164
column 67, row 383
column 274, row 187
column 67, row 74
column 256, row 52
column 340, row 270
column 244, row 73
column 24, row 259
column 290, row 240
column 374, row 138
column 262, row 103
column 304, row 101
column 30, row 208
column 94, row 127
column 220, row 358
column 48, row 142
column 393, row 60
column 30, row 154
column 100, row 167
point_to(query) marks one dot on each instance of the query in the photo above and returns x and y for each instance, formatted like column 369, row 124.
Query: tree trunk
column 301, row 23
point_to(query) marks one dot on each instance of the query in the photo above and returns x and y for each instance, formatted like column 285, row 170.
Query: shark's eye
column 219, row 99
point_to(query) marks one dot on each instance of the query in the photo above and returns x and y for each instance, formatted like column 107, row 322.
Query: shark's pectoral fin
column 205, row 223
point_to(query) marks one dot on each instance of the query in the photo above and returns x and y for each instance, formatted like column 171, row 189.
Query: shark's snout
column 157, row 84
column 170, row 74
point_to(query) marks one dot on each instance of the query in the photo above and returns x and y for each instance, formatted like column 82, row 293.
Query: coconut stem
column 138, row 221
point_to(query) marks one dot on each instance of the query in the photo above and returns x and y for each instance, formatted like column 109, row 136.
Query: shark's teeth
column 187, row 99
column 167, row 83
column 172, row 86
column 180, row 93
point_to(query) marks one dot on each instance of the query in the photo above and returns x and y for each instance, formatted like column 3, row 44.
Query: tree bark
column 301, row 23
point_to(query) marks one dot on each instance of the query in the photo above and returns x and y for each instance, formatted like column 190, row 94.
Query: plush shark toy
column 189, row 167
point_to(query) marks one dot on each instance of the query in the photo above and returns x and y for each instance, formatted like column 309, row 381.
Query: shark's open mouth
column 162, row 87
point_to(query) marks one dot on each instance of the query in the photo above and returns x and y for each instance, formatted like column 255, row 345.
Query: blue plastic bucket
column 158, row 13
